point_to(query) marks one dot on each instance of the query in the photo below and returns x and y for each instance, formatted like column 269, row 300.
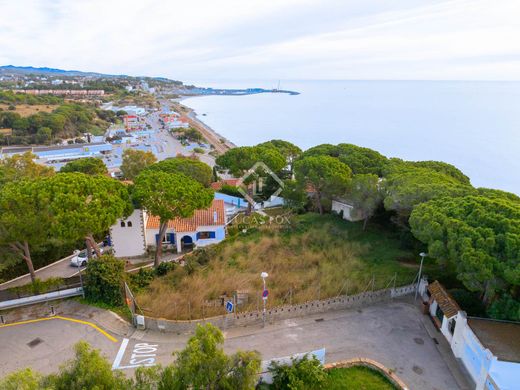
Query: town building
column 60, row 152
column 131, row 122
column 489, row 349
column 132, row 236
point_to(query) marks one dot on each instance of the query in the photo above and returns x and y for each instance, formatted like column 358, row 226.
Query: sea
column 474, row 125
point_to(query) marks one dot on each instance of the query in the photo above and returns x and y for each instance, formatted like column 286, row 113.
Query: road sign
column 229, row 307
column 265, row 293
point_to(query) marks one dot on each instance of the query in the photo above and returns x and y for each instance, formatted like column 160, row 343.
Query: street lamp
column 423, row 255
column 264, row 275
column 77, row 252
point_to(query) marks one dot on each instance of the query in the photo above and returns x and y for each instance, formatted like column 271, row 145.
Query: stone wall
column 282, row 312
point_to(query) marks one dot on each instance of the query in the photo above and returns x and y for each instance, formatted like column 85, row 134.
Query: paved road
column 58, row 269
column 391, row 333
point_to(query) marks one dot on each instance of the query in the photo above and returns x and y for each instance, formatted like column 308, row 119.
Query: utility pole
column 423, row 255
column 264, row 275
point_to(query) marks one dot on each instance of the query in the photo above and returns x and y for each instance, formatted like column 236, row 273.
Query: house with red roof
column 132, row 236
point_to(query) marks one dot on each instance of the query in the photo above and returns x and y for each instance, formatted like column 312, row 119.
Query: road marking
column 120, row 354
column 143, row 355
column 92, row 325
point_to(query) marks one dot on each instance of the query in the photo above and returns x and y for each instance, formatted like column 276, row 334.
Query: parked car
column 80, row 259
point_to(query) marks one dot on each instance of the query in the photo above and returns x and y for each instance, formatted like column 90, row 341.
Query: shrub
column 304, row 373
column 164, row 268
column 505, row 308
column 141, row 278
column 199, row 150
column 104, row 280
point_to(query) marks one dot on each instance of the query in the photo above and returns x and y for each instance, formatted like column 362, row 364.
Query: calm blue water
column 473, row 125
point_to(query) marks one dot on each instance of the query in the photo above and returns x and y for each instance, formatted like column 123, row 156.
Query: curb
column 389, row 374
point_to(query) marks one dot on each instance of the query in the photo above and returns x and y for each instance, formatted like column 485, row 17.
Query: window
column 451, row 326
column 205, row 235
column 122, row 223
column 439, row 314
column 129, row 224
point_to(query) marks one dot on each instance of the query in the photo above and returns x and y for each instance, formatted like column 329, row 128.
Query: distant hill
column 11, row 69
column 25, row 70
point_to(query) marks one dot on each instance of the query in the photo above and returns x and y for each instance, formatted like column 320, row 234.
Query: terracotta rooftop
column 447, row 304
column 500, row 337
column 212, row 216
column 230, row 182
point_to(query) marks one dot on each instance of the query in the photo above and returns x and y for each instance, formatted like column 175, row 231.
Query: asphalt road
column 391, row 333
column 58, row 269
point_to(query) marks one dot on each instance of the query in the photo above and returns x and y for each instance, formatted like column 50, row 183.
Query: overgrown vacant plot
column 29, row 109
column 313, row 257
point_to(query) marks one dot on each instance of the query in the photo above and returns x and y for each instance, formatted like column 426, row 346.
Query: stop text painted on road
column 142, row 355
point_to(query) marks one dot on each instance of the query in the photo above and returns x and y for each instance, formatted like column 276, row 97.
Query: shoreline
column 209, row 133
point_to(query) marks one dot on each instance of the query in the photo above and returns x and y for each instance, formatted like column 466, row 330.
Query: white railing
column 71, row 292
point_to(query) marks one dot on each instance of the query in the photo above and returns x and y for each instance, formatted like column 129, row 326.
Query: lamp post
column 80, row 277
column 264, row 275
column 423, row 255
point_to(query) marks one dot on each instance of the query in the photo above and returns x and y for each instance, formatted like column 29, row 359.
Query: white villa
column 132, row 236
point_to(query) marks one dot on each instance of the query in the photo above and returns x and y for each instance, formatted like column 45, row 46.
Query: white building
column 346, row 210
column 132, row 236
column 489, row 349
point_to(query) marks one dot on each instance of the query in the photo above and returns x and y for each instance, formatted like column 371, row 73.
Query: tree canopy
column 204, row 365
column 134, row 161
column 22, row 166
column 323, row 176
column 288, row 150
column 366, row 195
column 359, row 159
column 88, row 166
column 479, row 235
column 83, row 205
column 169, row 195
column 197, row 170
column 407, row 187
column 239, row 160
column 396, row 164
column 25, row 219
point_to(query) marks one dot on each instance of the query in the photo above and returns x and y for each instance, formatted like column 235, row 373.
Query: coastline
column 210, row 134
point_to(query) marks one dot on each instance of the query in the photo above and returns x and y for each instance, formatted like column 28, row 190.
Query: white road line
column 120, row 354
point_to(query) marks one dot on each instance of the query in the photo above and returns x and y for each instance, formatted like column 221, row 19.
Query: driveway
column 391, row 333
column 58, row 269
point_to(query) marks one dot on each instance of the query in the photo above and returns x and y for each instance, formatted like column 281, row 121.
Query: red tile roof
column 445, row 301
column 230, row 182
column 204, row 217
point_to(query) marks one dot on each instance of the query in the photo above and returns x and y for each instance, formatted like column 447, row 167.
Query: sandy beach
column 211, row 135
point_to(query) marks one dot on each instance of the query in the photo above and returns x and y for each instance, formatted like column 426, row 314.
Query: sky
column 262, row 39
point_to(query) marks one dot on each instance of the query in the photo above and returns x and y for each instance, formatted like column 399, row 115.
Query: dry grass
column 318, row 257
column 27, row 109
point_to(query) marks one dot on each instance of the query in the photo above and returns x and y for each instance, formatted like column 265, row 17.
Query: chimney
column 215, row 216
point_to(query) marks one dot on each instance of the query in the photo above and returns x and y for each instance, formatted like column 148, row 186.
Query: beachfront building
column 132, row 236
column 488, row 349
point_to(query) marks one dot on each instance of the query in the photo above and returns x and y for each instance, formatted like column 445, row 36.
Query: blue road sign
column 229, row 307
column 265, row 293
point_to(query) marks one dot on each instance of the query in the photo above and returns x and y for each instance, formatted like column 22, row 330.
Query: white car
column 80, row 259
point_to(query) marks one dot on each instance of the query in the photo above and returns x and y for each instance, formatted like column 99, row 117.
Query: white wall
column 475, row 357
column 506, row 375
column 348, row 211
column 128, row 241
